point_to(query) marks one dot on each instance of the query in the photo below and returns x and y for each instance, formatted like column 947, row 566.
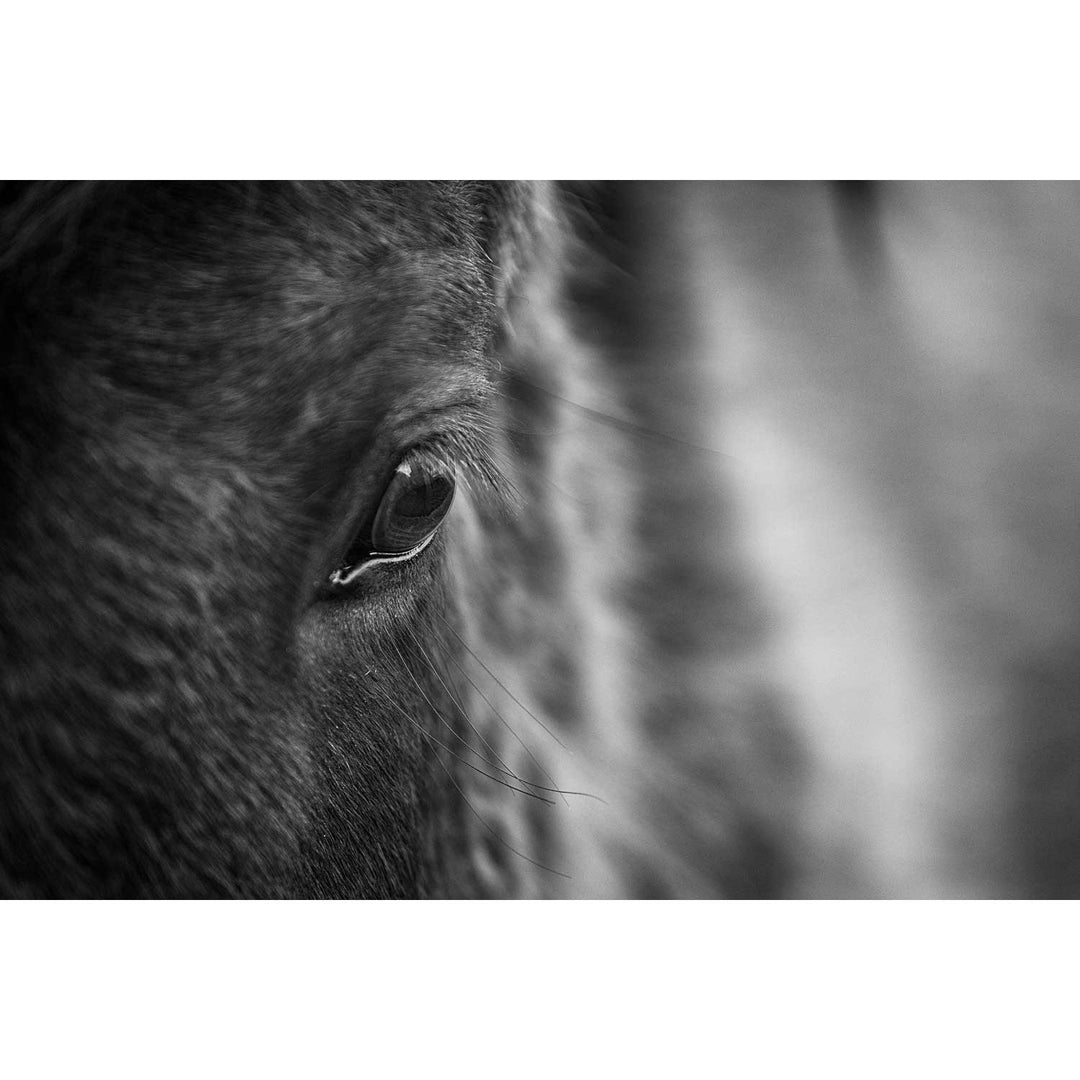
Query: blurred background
column 867, row 399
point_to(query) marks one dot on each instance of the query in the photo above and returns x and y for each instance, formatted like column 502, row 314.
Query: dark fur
column 202, row 387
column 205, row 390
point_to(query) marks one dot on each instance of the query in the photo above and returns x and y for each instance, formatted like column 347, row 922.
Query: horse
column 425, row 540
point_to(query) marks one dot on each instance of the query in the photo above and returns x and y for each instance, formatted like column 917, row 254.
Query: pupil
column 423, row 499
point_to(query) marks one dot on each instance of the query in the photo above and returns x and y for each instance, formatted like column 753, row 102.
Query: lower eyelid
column 376, row 559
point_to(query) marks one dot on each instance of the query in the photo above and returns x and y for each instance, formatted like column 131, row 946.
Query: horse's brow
column 465, row 436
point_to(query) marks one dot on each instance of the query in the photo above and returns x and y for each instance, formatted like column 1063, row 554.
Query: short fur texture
column 205, row 388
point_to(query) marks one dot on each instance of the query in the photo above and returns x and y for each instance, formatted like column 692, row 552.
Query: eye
column 412, row 508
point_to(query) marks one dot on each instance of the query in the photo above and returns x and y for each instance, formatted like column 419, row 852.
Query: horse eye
column 412, row 508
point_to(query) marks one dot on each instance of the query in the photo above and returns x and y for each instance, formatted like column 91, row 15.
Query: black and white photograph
column 539, row 540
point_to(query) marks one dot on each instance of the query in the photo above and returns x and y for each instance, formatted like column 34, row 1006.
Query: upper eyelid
column 463, row 440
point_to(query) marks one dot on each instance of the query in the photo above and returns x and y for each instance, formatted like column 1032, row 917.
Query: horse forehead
column 296, row 310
